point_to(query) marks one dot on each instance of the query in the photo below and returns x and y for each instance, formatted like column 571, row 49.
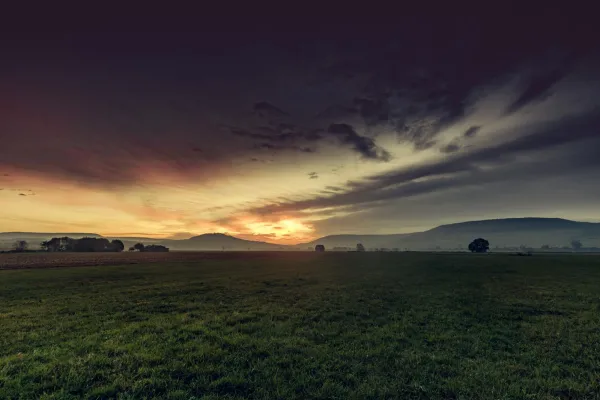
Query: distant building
column 319, row 248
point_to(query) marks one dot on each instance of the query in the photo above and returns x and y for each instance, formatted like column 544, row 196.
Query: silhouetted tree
column 576, row 244
column 85, row 244
column 139, row 246
column 47, row 245
column 20, row 245
column 58, row 244
column 132, row 248
column 156, row 248
column 360, row 247
column 117, row 245
column 319, row 248
column 88, row 244
column 479, row 245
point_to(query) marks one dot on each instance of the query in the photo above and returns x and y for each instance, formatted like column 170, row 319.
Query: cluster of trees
column 86, row 244
column 150, row 248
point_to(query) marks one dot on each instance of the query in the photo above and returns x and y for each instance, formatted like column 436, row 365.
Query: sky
column 288, row 129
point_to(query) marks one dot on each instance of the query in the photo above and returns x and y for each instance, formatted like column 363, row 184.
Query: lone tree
column 360, row 247
column 20, row 245
column 319, row 248
column 576, row 244
column 117, row 245
column 479, row 245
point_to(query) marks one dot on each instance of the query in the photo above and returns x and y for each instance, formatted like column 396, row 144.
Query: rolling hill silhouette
column 509, row 232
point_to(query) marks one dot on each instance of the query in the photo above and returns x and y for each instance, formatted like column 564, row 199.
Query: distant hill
column 509, row 232
column 514, row 224
column 512, row 232
column 220, row 241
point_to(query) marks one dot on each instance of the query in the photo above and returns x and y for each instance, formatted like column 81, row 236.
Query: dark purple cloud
column 471, row 132
column 450, row 148
column 538, row 87
column 363, row 145
column 118, row 108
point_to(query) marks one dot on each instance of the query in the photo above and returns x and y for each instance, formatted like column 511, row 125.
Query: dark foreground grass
column 306, row 326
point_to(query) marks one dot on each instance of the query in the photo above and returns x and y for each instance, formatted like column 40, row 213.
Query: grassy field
column 305, row 326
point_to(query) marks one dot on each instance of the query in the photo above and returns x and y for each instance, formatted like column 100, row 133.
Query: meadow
column 305, row 326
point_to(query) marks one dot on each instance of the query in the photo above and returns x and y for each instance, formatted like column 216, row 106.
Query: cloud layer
column 311, row 127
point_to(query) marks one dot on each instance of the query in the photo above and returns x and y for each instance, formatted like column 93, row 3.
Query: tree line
column 150, row 248
column 85, row 244
column 89, row 244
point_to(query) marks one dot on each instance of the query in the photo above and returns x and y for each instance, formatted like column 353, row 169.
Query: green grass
column 306, row 326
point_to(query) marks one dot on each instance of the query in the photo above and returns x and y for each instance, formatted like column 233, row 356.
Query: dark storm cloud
column 468, row 168
column 266, row 110
column 274, row 136
column 450, row 148
column 121, row 109
column 365, row 146
column 373, row 111
column 277, row 132
column 538, row 87
column 471, row 132
column 424, row 76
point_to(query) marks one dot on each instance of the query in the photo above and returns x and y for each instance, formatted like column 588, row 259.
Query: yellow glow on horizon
column 285, row 229
column 168, row 207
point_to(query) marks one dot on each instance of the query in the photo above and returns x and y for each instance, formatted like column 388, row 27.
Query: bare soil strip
column 56, row 260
